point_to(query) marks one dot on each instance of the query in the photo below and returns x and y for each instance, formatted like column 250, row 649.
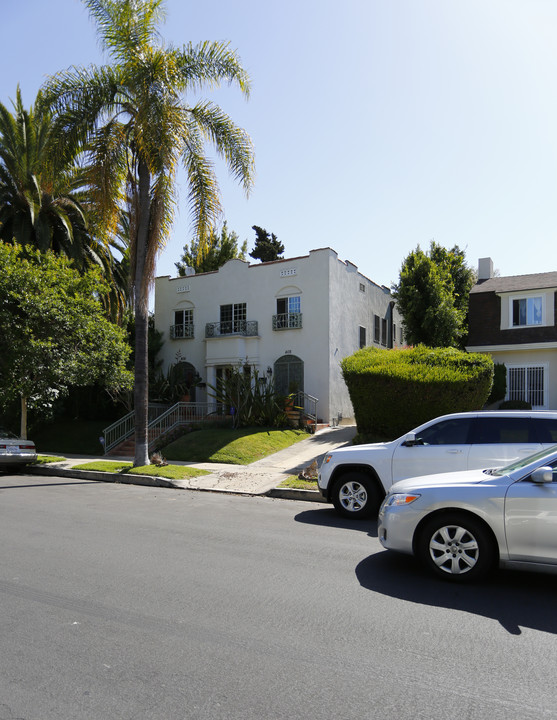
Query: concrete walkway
column 259, row 478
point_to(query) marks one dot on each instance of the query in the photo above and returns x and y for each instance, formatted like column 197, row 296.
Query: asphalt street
column 141, row 603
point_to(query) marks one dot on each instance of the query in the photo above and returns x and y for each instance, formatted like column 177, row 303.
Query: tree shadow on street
column 515, row 599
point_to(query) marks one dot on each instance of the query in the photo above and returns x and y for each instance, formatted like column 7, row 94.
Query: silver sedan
column 461, row 525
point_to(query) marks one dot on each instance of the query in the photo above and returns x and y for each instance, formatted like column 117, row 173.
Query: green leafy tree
column 44, row 200
column 267, row 246
column 210, row 255
column 133, row 119
column 432, row 296
column 54, row 330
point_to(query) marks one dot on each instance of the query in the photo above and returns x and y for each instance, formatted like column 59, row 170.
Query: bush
column 499, row 387
column 515, row 405
column 392, row 391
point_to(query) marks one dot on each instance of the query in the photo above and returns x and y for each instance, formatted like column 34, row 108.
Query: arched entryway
column 185, row 375
column 289, row 374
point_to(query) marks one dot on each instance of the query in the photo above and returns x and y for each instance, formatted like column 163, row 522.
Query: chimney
column 485, row 269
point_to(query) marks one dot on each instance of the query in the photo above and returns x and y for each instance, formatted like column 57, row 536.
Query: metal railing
column 178, row 332
column 287, row 321
column 181, row 413
column 307, row 405
column 123, row 428
column 231, row 327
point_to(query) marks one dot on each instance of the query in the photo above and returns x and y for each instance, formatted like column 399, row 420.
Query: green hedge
column 393, row 391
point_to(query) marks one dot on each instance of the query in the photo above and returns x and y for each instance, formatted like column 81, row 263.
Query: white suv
column 355, row 479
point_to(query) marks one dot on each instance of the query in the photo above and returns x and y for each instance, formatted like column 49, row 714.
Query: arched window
column 289, row 374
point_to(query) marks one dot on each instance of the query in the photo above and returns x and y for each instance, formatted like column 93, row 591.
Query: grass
column 226, row 445
column 293, row 481
column 170, row 472
column 45, row 459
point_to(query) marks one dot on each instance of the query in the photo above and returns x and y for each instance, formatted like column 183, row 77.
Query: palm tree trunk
column 141, row 386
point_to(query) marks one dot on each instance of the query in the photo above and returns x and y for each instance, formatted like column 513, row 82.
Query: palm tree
column 40, row 204
column 133, row 119
column 44, row 201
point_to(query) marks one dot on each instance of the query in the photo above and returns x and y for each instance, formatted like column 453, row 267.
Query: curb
column 150, row 480
column 154, row 481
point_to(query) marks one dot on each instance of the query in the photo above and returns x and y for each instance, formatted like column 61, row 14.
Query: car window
column 495, row 430
column 454, row 431
column 546, row 429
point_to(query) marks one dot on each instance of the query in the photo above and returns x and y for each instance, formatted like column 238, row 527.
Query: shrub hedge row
column 393, row 391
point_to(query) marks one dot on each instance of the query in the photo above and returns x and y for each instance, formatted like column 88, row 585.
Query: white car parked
column 355, row 479
column 461, row 525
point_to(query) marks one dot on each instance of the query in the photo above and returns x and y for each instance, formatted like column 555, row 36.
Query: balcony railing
column 179, row 332
column 287, row 321
column 231, row 327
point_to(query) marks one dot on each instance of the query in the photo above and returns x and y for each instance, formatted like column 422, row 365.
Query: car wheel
column 355, row 496
column 456, row 547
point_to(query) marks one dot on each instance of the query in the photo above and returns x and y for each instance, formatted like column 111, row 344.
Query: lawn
column 225, row 445
column 171, row 472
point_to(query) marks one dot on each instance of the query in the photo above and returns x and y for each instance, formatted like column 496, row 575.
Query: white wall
column 332, row 306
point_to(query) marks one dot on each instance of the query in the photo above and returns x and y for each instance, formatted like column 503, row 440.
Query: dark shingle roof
column 517, row 283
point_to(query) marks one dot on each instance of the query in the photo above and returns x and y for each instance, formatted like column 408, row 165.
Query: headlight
column 401, row 499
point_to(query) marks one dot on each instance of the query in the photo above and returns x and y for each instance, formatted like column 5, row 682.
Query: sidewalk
column 259, row 478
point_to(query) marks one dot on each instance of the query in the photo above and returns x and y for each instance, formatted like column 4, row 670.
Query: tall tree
column 43, row 196
column 432, row 296
column 54, row 331
column 133, row 118
column 219, row 248
column 267, row 246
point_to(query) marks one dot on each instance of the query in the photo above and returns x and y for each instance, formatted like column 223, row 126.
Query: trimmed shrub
column 392, row 391
column 515, row 405
column 499, row 387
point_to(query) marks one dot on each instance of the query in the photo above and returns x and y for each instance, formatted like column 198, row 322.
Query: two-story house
column 514, row 320
column 293, row 320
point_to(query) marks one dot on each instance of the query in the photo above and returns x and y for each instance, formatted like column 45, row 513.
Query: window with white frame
column 288, row 313
column 183, row 324
column 526, row 311
column 527, row 383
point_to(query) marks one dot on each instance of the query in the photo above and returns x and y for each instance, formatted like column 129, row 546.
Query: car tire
column 355, row 495
column 456, row 547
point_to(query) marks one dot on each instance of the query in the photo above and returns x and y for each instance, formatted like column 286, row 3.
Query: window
column 527, row 383
column 527, row 311
column 183, row 324
column 495, row 430
column 376, row 329
column 233, row 318
column 446, row 432
column 362, row 287
column 362, row 337
column 288, row 313
column 383, row 331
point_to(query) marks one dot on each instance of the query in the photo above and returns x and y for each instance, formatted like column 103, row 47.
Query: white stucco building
column 293, row 320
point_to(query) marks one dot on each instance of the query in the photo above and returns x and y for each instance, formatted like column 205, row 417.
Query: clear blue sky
column 378, row 124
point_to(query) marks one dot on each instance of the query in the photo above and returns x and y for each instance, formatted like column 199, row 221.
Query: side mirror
column 409, row 439
column 542, row 475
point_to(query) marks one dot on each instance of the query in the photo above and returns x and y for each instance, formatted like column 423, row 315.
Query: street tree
column 54, row 330
column 218, row 248
column 267, row 246
column 432, row 296
column 133, row 119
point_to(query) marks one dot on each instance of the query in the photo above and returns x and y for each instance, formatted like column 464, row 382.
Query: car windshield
column 518, row 464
